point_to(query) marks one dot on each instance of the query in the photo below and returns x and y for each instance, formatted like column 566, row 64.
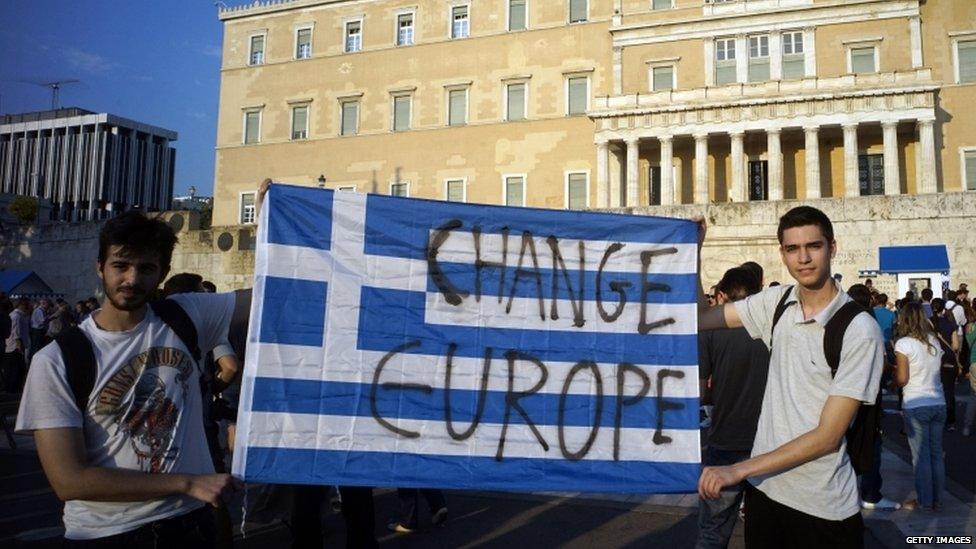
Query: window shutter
column 862, row 60
column 971, row 170
column 455, row 191
column 577, row 11
column 350, row 112
column 662, row 4
column 401, row 113
column 759, row 69
column 253, row 120
column 967, row 62
column 663, row 78
column 516, row 15
column 794, row 67
column 299, row 123
column 458, row 106
column 304, row 47
column 577, row 191
column 513, row 191
column 577, row 95
column 516, row 101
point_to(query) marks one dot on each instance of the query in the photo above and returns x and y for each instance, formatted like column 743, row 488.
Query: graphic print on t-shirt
column 145, row 398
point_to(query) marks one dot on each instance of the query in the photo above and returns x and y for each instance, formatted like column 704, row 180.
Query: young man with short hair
column 802, row 490
column 126, row 450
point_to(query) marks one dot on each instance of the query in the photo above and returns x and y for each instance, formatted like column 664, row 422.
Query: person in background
column 918, row 358
column 947, row 331
column 38, row 326
column 927, row 302
column 756, row 270
column 967, row 426
column 209, row 287
column 17, row 345
column 738, row 366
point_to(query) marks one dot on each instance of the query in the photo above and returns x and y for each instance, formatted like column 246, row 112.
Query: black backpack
column 79, row 358
column 865, row 430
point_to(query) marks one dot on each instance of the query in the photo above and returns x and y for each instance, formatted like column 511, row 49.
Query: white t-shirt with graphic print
column 144, row 413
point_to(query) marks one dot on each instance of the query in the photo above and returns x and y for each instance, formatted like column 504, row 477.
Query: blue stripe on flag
column 297, row 396
column 390, row 318
column 351, row 468
column 293, row 311
column 399, row 227
column 300, row 216
column 684, row 287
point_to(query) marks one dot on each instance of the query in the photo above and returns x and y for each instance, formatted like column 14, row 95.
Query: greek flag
column 418, row 343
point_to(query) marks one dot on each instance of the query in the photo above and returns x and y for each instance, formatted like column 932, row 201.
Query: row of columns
column 738, row 190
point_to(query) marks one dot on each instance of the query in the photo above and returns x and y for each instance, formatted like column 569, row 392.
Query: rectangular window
column 662, row 78
column 400, row 189
column 758, row 58
column 662, row 4
column 758, row 180
column 515, row 191
column 725, row 61
column 576, row 191
column 870, row 174
column 966, row 57
column 794, row 64
column 404, row 29
column 517, row 15
column 577, row 11
column 457, row 107
column 969, row 159
column 578, row 95
column 515, row 101
column 252, row 127
column 257, row 50
column 401, row 113
column 350, row 118
column 248, row 209
column 654, row 186
column 299, row 122
column 303, row 44
column 862, row 60
column 354, row 36
column 459, row 22
column 455, row 190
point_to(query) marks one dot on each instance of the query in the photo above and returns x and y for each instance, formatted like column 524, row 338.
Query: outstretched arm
column 825, row 438
column 62, row 453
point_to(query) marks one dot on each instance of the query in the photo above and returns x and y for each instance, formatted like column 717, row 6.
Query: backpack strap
column 171, row 313
column 79, row 364
column 780, row 309
column 834, row 333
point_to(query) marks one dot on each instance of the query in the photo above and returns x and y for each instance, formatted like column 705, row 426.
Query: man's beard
column 133, row 303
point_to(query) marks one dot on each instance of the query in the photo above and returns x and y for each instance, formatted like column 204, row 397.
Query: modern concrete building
column 598, row 103
column 88, row 165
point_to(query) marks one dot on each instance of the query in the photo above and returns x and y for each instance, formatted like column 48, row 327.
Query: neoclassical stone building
column 599, row 103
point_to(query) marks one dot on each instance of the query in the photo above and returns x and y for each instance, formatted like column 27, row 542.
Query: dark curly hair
column 138, row 235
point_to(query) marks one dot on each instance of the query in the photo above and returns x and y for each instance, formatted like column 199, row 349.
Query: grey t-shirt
column 797, row 388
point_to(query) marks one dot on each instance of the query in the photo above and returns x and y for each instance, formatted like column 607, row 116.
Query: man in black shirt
column 737, row 365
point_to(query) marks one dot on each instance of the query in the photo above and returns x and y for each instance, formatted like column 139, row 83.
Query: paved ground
column 30, row 513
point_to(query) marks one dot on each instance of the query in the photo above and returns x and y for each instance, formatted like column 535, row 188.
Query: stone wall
column 64, row 254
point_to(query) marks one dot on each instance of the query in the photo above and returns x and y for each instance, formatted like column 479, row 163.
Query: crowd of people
column 115, row 402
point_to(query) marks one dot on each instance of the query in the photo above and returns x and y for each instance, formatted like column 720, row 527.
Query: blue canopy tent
column 913, row 259
column 25, row 284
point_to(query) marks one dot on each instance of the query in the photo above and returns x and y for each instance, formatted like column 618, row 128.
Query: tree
column 24, row 208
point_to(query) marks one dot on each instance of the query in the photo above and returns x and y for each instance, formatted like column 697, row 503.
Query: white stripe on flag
column 310, row 431
column 306, row 363
column 524, row 315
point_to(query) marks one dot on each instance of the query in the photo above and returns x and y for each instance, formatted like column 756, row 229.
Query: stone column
column 851, row 187
column 812, row 148
column 775, row 56
column 738, row 191
column 774, row 155
column 667, row 171
column 890, row 136
column 633, row 173
column 602, row 173
column 701, row 168
column 741, row 58
column 926, row 145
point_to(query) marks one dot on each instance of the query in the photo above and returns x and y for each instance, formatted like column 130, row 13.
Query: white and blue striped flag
column 418, row 343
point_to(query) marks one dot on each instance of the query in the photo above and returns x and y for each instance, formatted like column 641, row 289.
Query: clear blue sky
column 157, row 62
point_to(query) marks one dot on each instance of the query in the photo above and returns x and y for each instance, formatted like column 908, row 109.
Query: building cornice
column 699, row 27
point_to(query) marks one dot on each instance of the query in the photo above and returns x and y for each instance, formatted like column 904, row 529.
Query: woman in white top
column 918, row 359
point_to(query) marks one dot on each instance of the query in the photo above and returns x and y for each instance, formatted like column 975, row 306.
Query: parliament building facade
column 598, row 103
